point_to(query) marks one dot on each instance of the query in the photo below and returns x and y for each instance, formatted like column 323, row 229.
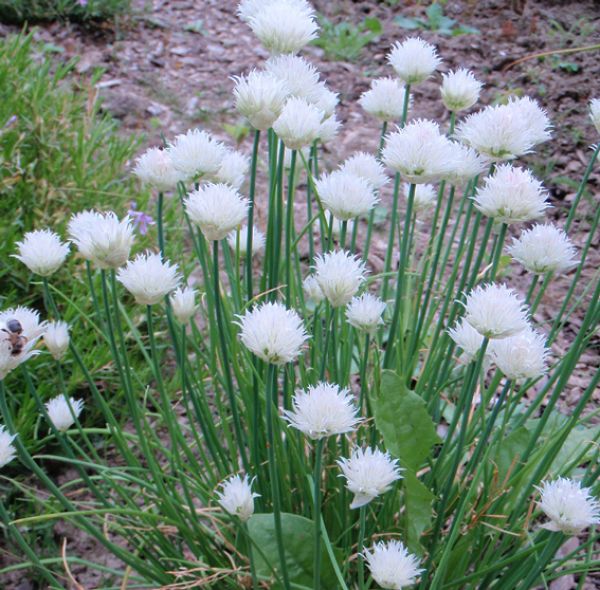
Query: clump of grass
column 20, row 11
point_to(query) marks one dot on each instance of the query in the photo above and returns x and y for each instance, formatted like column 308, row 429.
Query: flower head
column 495, row 311
column 460, row 90
column 570, row 507
column 148, row 278
column 384, row 100
column 391, row 565
column 425, row 197
column 233, row 169
column 284, row 26
column 156, row 169
column 414, row 60
column 63, row 411
column 328, row 129
column 42, row 252
column 467, row 164
column 504, row 132
column 299, row 123
column 297, row 75
column 238, row 240
column 56, row 338
column 216, row 209
column 236, row 497
column 183, row 302
column 323, row 410
column 468, row 338
column 419, row 152
column 339, row 274
column 273, row 333
column 368, row 167
column 102, row 238
column 141, row 220
column 595, row 113
column 522, row 356
column 20, row 329
column 369, row 473
column 259, row 97
column 365, row 313
column 345, row 194
column 511, row 195
column 249, row 8
column 196, row 154
column 7, row 449
column 544, row 248
column 312, row 290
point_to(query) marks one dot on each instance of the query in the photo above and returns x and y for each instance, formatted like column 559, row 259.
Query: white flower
column 63, row 411
column 595, row 113
column 249, row 8
column 369, row 473
column 345, row 194
column 504, row 132
column 196, row 154
column 340, row 275
column 42, row 252
column 259, row 96
column 183, row 302
column 216, row 209
column 7, row 449
column 414, row 60
column 495, row 311
column 20, row 329
column 233, row 169
column 511, row 195
column 56, row 338
column 466, row 164
column 570, row 507
column 384, row 100
column 460, row 90
column 299, row 123
column 419, row 152
column 155, row 168
column 365, row 312
column 323, row 410
column 329, row 129
column 425, row 197
column 544, row 248
column 392, row 566
column 522, row 356
column 148, row 278
column 285, row 26
column 368, row 167
column 298, row 76
column 312, row 290
column 101, row 238
column 469, row 339
column 324, row 99
column 236, row 497
column 239, row 239
column 273, row 333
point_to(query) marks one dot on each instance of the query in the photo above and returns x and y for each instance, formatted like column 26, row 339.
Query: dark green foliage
column 19, row 11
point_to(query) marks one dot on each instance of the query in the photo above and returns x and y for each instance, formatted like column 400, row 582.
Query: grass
column 20, row 11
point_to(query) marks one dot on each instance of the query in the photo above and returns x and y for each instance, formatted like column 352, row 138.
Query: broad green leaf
column 417, row 504
column 298, row 539
column 408, row 23
column 373, row 24
column 404, row 422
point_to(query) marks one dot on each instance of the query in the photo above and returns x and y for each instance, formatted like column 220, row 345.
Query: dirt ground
column 168, row 68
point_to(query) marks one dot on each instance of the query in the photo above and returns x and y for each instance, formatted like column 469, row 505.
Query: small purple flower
column 83, row 2
column 141, row 220
column 11, row 121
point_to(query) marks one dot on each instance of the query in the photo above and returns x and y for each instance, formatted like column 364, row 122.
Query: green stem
column 361, row 543
column 251, row 193
column 273, row 474
column 317, row 514
column 159, row 224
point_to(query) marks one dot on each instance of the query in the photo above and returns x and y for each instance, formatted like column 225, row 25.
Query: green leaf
column 404, row 422
column 298, row 540
column 373, row 24
column 510, row 450
column 417, row 504
column 408, row 23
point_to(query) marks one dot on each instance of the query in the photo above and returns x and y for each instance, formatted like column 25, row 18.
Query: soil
column 167, row 68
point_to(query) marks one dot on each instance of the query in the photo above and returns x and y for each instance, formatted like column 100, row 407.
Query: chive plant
column 313, row 423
